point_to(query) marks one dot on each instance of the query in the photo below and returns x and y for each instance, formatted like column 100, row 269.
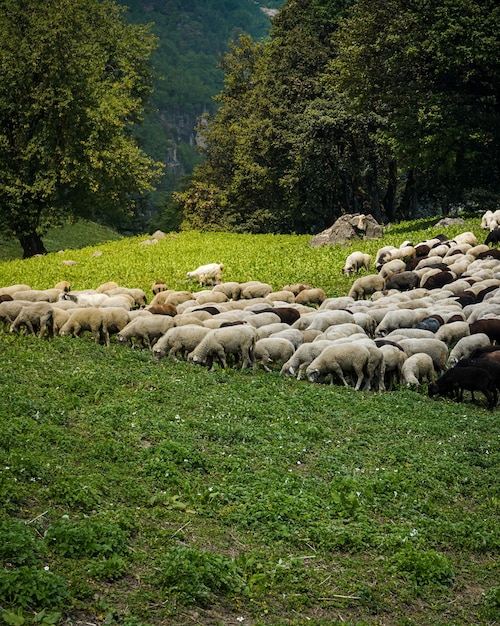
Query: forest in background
column 192, row 37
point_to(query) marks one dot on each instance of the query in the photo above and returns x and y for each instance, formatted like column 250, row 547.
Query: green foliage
column 86, row 537
column 66, row 143
column 424, row 567
column 195, row 576
column 17, row 544
column 31, row 587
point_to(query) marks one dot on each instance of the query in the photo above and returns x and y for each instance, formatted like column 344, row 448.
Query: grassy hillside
column 140, row 492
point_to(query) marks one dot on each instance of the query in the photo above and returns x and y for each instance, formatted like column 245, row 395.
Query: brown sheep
column 488, row 326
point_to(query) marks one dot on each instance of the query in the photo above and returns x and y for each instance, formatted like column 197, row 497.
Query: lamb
column 366, row 285
column 210, row 274
column 435, row 348
column 219, row 343
column 303, row 356
column 466, row 346
column 180, row 340
column 272, row 350
column 417, row 368
column 355, row 261
column 338, row 359
column 455, row 380
column 35, row 317
column 145, row 330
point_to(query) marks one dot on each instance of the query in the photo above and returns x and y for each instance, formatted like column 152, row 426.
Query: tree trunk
column 32, row 244
column 389, row 201
column 409, row 202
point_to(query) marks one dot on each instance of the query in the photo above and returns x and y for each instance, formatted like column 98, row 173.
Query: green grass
column 140, row 492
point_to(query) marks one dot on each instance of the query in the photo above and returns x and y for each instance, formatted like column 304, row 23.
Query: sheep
column 221, row 342
column 339, row 359
column 232, row 290
column 452, row 332
column 85, row 299
column 311, row 297
column 437, row 280
column 9, row 310
column 281, row 296
column 394, row 358
column 106, row 286
column 272, row 350
column 158, row 287
column 455, row 380
column 293, row 335
column 35, row 317
column 37, row 295
column 465, row 347
column 85, row 319
column 263, row 319
column 403, row 281
column 338, row 303
column 488, row 326
column 435, row 348
column 366, row 321
column 138, row 295
column 145, row 330
column 493, row 237
column 366, row 285
column 162, row 309
column 399, row 318
column 255, row 289
column 324, row 319
column 114, row 320
column 179, row 340
column 417, row 368
column 303, row 356
column 209, row 274
column 63, row 285
column 12, row 289
column 392, row 267
column 355, row 261
column 178, row 297
column 210, row 297
column 296, row 288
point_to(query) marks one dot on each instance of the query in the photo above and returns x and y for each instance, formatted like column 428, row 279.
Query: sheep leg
column 360, row 377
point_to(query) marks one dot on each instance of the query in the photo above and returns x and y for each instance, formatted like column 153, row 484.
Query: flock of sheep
column 430, row 313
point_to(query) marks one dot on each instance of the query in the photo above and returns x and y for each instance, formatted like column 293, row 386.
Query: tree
column 430, row 71
column 75, row 79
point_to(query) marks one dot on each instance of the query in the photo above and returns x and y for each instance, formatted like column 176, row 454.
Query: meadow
column 138, row 492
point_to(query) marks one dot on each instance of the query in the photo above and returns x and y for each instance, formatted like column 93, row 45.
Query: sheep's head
column 312, row 375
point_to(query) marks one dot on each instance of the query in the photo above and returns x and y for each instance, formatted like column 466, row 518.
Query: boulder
column 347, row 227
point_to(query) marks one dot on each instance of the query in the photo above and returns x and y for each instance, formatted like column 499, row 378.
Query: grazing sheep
column 493, row 237
column 37, row 295
column 437, row 280
column 366, row 285
column 238, row 341
column 281, row 296
column 162, row 309
column 392, row 267
column 145, row 330
column 115, row 320
column 402, row 281
column 85, row 299
column 339, row 359
column 263, row 319
column 35, row 317
column 452, row 332
column 303, row 356
column 210, row 274
column 466, row 346
column 255, row 289
column 210, row 297
column 180, row 340
column 311, row 297
column 232, row 290
column 272, row 350
column 9, row 310
column 176, row 298
column 453, row 382
column 63, row 285
column 330, row 317
column 417, row 368
column 138, row 295
column 296, row 288
column 293, row 335
column 435, row 348
column 338, row 303
column 355, row 261
column 85, row 319
column 394, row 358
column 12, row 289
column 488, row 326
column 399, row 318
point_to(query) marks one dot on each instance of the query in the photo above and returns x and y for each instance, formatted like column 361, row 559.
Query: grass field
column 140, row 492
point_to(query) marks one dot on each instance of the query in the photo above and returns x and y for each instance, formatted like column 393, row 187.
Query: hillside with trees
column 387, row 108
column 192, row 37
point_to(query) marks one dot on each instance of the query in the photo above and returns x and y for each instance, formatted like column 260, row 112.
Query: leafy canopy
column 75, row 78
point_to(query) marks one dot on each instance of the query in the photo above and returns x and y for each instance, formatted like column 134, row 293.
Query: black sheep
column 453, row 382
column 493, row 237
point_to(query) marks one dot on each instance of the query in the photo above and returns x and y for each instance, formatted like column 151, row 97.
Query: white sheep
column 219, row 343
column 12, row 289
column 9, row 310
column 85, row 319
column 272, row 350
column 399, row 318
column 38, row 316
column 465, row 346
column 311, row 297
column 85, row 299
column 329, row 317
column 394, row 358
column 138, row 295
column 435, row 348
column 417, row 368
column 37, row 295
column 303, row 356
column 355, row 261
column 209, row 274
column 453, row 332
column 145, row 330
column 293, row 335
column 338, row 360
column 392, row 267
column 232, row 290
column 180, row 340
